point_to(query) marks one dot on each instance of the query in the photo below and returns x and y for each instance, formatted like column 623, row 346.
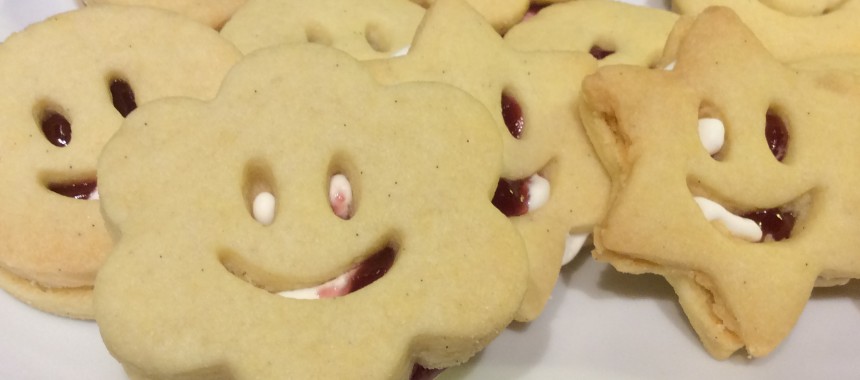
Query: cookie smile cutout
column 84, row 189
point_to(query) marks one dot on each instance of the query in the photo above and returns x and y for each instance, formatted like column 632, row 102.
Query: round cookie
column 613, row 32
column 68, row 82
column 365, row 29
column 193, row 287
column 745, row 231
column 552, row 185
column 791, row 37
column 210, row 12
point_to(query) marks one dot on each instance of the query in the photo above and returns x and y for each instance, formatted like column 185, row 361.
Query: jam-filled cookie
column 68, row 82
column 210, row 12
column 730, row 179
column 612, row 32
column 365, row 29
column 831, row 29
column 318, row 225
column 552, row 185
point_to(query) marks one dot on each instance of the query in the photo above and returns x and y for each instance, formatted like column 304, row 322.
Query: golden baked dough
column 784, row 167
column 788, row 36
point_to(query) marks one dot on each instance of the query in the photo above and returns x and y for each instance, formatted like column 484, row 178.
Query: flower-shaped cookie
column 364, row 29
column 552, row 183
column 194, row 284
column 67, row 84
column 730, row 179
column 791, row 33
column 210, row 12
column 613, row 32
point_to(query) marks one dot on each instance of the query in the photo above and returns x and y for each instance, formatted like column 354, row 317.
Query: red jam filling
column 77, row 190
column 512, row 196
column 421, row 373
column 372, row 269
column 57, row 129
column 599, row 53
column 122, row 96
column 776, row 133
column 533, row 10
column 774, row 222
column 512, row 113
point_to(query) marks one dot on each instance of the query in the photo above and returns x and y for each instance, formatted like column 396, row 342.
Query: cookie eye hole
column 512, row 114
column 340, row 196
column 316, row 34
column 377, row 38
column 599, row 52
column 57, row 129
column 776, row 134
column 260, row 193
column 122, row 96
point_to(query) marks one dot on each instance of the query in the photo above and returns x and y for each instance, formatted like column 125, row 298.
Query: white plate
column 599, row 324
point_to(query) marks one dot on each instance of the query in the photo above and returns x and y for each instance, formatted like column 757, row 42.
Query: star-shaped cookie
column 732, row 179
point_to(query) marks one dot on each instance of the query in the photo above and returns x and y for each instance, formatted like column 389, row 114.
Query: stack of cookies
column 288, row 189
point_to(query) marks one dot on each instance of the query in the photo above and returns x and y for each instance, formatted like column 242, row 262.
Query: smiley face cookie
column 740, row 196
column 205, row 282
column 210, row 12
column 612, row 32
column 364, row 29
column 789, row 36
column 552, row 185
column 501, row 14
column 69, row 81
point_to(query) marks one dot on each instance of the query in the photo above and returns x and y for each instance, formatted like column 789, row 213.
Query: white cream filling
column 402, row 51
column 670, row 66
column 538, row 192
column 313, row 293
column 94, row 196
column 572, row 245
column 264, row 208
column 712, row 133
column 743, row 228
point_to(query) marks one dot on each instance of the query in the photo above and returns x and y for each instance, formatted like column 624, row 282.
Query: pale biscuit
column 613, row 32
column 455, row 46
column 501, row 14
column 190, row 288
column 803, row 7
column 742, row 282
column 210, row 12
column 58, row 112
column 791, row 37
column 365, row 29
